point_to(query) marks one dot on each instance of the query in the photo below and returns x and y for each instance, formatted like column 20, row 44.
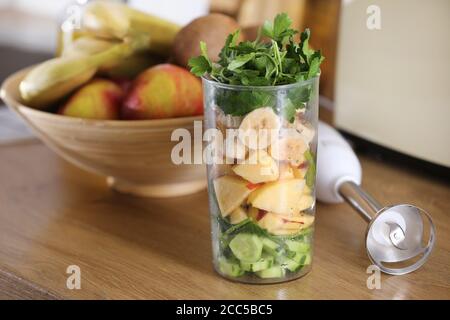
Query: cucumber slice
column 307, row 260
column 288, row 263
column 265, row 262
column 272, row 272
column 303, row 235
column 298, row 246
column 246, row 247
column 271, row 246
column 246, row 266
column 311, row 173
column 302, row 258
column 230, row 268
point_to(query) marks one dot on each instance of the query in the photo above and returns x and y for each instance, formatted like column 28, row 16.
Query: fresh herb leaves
column 280, row 30
column 311, row 173
column 239, row 103
column 257, row 63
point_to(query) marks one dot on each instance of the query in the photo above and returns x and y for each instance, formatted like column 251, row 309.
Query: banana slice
column 234, row 149
column 290, row 147
column 306, row 130
column 259, row 128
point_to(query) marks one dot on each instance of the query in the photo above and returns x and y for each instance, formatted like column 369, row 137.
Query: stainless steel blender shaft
column 368, row 208
column 362, row 202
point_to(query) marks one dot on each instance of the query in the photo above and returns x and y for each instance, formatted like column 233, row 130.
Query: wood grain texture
column 53, row 215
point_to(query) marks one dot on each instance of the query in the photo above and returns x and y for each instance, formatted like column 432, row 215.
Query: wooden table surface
column 53, row 215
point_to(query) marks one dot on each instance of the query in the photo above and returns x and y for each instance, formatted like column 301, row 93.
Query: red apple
column 99, row 99
column 164, row 91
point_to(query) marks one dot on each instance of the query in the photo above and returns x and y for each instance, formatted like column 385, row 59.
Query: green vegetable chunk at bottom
column 272, row 272
column 265, row 262
column 230, row 268
column 246, row 247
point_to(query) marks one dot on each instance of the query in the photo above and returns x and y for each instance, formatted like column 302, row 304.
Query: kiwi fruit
column 213, row 29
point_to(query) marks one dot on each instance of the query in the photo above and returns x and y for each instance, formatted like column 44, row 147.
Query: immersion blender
column 394, row 233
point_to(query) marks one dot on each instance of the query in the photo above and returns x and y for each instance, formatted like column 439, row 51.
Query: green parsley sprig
column 256, row 63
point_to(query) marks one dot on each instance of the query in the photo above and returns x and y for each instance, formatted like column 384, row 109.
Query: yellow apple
column 307, row 191
column 280, row 224
column 299, row 172
column 280, row 197
column 231, row 191
column 306, row 201
column 286, row 171
column 218, row 170
column 238, row 215
column 294, row 227
column 258, row 168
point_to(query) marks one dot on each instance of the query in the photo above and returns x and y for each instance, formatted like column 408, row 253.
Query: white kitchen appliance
column 397, row 240
column 393, row 83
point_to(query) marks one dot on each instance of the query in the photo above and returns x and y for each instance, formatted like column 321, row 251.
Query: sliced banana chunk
column 233, row 147
column 259, row 128
column 306, row 130
column 289, row 147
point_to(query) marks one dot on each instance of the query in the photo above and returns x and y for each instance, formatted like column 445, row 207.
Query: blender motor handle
column 339, row 174
column 336, row 164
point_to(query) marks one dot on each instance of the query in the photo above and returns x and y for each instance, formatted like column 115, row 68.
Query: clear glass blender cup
column 261, row 178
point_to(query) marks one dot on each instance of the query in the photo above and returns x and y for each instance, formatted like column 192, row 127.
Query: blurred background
column 387, row 86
